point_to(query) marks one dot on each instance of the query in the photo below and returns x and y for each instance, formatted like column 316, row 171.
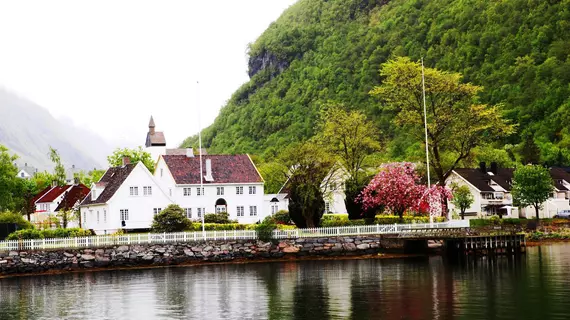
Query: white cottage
column 126, row 197
column 231, row 183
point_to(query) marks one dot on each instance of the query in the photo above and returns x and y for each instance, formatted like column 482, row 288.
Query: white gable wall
column 475, row 208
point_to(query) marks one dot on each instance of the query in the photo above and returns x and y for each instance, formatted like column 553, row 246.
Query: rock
column 225, row 247
column 291, row 249
column 283, row 244
column 188, row 252
column 68, row 255
column 337, row 247
column 87, row 264
column 349, row 246
column 31, row 261
column 208, row 248
column 348, row 240
column 363, row 246
column 374, row 245
column 87, row 257
column 123, row 249
column 13, row 254
column 160, row 250
column 308, row 245
column 3, row 261
column 88, row 251
column 99, row 252
column 148, row 257
column 102, row 259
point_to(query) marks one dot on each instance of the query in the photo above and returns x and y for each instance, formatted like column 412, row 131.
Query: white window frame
column 147, row 190
column 97, row 216
column 124, row 214
column 187, row 191
column 188, row 212
column 104, row 215
column 252, row 211
column 274, row 208
column 156, row 210
column 133, row 191
column 240, row 211
column 200, row 192
column 220, row 191
column 252, row 190
column 239, row 190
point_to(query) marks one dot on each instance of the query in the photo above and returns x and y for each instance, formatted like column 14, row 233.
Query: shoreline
column 540, row 242
column 239, row 261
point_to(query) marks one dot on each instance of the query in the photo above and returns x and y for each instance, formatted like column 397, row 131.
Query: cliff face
column 329, row 51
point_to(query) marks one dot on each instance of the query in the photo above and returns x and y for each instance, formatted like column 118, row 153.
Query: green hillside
column 323, row 52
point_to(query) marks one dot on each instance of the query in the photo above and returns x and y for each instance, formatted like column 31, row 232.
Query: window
column 157, row 211
column 252, row 211
column 97, row 216
column 188, row 212
column 105, row 215
column 201, row 211
column 274, row 208
column 239, row 190
column 252, row 190
column 22, row 174
column 170, row 191
column 124, row 214
column 327, row 207
column 147, row 191
column 200, row 191
column 93, row 195
column 134, row 191
column 240, row 211
column 161, row 172
column 220, row 191
column 187, row 192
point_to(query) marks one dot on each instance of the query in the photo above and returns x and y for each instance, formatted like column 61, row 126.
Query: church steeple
column 151, row 125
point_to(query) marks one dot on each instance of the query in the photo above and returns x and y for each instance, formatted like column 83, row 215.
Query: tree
column 66, row 216
column 9, row 183
column 43, row 179
column 456, row 124
column 28, row 189
column 310, row 168
column 89, row 177
column 134, row 156
column 59, row 170
column 351, row 138
column 396, row 187
column 274, row 174
column 171, row 219
column 532, row 186
column 529, row 151
column 463, row 199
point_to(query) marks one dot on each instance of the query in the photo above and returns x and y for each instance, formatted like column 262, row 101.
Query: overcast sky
column 109, row 65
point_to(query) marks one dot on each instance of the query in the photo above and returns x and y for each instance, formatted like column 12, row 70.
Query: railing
column 182, row 237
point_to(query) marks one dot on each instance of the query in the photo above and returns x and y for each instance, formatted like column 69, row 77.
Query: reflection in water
column 535, row 286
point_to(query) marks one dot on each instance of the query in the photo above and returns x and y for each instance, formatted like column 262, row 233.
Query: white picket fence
column 181, row 237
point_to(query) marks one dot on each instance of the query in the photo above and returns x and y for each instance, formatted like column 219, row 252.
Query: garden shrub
column 265, row 231
column 18, row 219
column 49, row 233
column 222, row 217
column 171, row 219
column 282, row 217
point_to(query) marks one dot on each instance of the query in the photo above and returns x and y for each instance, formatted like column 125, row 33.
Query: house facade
column 26, row 172
column 230, row 183
column 47, row 201
column 491, row 190
column 126, row 197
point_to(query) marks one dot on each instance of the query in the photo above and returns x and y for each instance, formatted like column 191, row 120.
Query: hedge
column 48, row 233
column 197, row 226
column 341, row 220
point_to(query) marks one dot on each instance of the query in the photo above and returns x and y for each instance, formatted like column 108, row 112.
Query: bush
column 18, row 219
column 282, row 217
column 265, row 231
column 48, row 233
column 496, row 221
column 197, row 226
column 171, row 219
column 384, row 219
column 222, row 217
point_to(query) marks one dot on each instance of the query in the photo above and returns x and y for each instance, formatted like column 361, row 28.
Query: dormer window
column 93, row 195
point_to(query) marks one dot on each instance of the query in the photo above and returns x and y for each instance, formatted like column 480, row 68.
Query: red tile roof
column 52, row 194
column 113, row 179
column 41, row 194
column 225, row 169
column 72, row 196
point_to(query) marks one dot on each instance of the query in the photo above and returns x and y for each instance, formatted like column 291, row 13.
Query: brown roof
column 480, row 180
column 558, row 174
column 113, row 179
column 155, row 139
column 72, row 196
column 225, row 169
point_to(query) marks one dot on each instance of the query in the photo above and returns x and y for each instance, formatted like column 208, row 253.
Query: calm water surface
column 537, row 286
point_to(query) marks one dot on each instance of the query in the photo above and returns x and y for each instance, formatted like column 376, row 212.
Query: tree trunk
column 309, row 222
column 463, row 214
column 536, row 211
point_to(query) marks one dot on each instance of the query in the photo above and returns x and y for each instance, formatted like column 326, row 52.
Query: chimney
column 190, row 153
column 483, row 167
column 25, row 164
column 126, row 160
column 494, row 168
column 76, row 181
column 72, row 166
column 53, row 183
column 208, row 176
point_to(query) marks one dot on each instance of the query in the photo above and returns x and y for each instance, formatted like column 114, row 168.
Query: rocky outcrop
column 266, row 61
column 23, row 262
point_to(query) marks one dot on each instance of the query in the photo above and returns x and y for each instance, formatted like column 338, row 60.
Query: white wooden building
column 126, row 197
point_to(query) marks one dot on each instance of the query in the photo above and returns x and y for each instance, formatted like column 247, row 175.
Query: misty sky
column 108, row 65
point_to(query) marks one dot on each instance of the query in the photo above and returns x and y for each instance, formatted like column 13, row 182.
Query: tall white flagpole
column 200, row 151
column 426, row 132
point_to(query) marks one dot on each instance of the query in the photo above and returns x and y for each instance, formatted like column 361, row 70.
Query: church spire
column 151, row 125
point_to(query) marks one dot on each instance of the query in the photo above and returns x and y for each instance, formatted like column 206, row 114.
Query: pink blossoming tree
column 398, row 188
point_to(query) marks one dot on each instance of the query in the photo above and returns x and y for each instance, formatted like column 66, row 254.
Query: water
column 535, row 287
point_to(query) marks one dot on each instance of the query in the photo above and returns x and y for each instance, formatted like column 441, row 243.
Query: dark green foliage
column 354, row 206
column 12, row 217
column 222, row 217
column 341, row 220
column 282, row 217
column 298, row 203
column 330, row 51
column 49, row 233
column 529, row 151
column 171, row 219
column 265, row 231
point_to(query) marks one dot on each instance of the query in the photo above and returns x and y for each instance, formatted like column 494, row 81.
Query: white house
column 26, row 172
column 231, row 183
column 491, row 190
column 274, row 202
column 47, row 201
column 126, row 197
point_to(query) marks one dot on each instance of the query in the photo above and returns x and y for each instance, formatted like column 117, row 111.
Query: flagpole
column 200, row 151
column 426, row 132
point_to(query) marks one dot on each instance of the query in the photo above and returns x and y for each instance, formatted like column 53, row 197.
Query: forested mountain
column 28, row 130
column 322, row 52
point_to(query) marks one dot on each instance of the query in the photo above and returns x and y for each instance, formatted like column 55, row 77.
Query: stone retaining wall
column 197, row 252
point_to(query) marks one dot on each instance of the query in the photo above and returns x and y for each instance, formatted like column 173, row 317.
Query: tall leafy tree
column 532, row 186
column 9, row 183
column 43, row 179
column 351, row 138
column 456, row 122
column 463, row 199
column 59, row 170
column 274, row 174
column 310, row 169
column 89, row 177
column 529, row 151
column 27, row 190
column 134, row 156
